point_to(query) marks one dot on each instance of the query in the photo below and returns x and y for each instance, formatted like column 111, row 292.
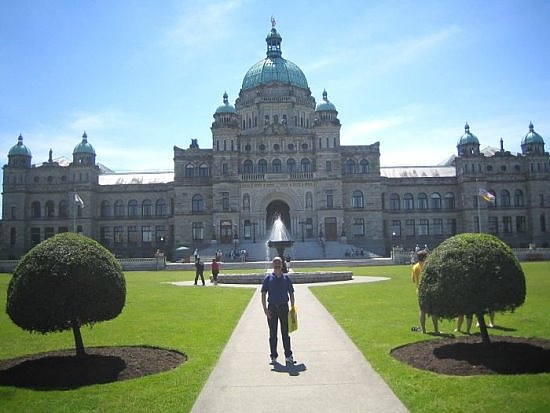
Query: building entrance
column 275, row 209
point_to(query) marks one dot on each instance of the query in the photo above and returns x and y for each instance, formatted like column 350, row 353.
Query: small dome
column 325, row 104
column 468, row 138
column 532, row 136
column 84, row 146
column 274, row 68
column 20, row 149
column 226, row 107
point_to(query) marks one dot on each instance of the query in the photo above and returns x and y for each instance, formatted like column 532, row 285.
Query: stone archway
column 274, row 209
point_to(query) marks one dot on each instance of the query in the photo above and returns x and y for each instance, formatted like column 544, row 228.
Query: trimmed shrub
column 471, row 274
column 65, row 282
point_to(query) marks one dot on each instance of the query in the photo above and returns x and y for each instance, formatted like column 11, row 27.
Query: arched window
column 422, row 201
column 189, row 170
column 197, row 203
column 49, row 209
column 63, row 209
column 436, row 201
column 306, row 165
column 395, row 202
column 262, row 166
column 35, row 209
column 364, row 166
column 246, row 202
column 203, row 170
column 357, row 199
column 147, row 208
column 160, row 208
column 349, row 167
column 291, row 165
column 518, row 198
column 505, row 201
column 132, row 208
column 449, row 200
column 119, row 209
column 248, row 167
column 408, row 201
column 105, row 209
column 276, row 165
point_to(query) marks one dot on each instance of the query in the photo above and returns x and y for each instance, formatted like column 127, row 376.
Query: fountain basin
column 297, row 277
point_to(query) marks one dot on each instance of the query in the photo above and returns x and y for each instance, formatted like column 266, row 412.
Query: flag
column 78, row 200
column 486, row 195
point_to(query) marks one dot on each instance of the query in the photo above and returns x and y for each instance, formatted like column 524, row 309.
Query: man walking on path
column 279, row 289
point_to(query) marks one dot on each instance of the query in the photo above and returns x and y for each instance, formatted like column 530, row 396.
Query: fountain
column 280, row 240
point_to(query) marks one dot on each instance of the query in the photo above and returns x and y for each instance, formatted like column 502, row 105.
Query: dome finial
column 531, row 127
column 467, row 128
column 325, row 95
column 273, row 22
column 225, row 96
column 273, row 40
column 84, row 137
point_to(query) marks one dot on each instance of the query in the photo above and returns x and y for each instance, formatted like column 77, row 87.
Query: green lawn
column 198, row 322
column 379, row 316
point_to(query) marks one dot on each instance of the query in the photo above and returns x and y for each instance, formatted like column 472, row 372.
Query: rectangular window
column 507, row 225
column 146, row 234
column 133, row 235
column 330, row 201
column 225, row 169
column 493, row 225
column 423, row 227
column 105, row 235
column 328, row 166
column 160, row 235
column 521, row 224
column 225, row 201
column 358, row 228
column 48, row 232
column 35, row 236
column 409, row 228
column 451, row 226
column 13, row 212
column 62, row 230
column 13, row 236
column 437, row 226
column 396, row 228
column 198, row 231
column 118, row 235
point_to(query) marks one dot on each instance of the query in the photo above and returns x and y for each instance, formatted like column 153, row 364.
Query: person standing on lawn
column 277, row 290
column 416, row 275
column 199, row 271
column 215, row 270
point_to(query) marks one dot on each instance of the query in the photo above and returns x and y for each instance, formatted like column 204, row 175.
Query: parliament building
column 276, row 152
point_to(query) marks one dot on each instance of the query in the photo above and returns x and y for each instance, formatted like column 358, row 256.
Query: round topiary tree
column 65, row 282
column 471, row 274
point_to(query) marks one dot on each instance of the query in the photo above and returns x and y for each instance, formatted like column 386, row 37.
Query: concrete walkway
column 331, row 375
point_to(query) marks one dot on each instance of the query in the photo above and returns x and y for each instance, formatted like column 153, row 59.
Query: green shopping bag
column 293, row 319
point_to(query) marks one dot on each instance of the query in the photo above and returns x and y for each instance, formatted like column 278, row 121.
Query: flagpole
column 478, row 207
column 74, row 211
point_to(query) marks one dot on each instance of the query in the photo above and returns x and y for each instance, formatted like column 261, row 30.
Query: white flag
column 78, row 200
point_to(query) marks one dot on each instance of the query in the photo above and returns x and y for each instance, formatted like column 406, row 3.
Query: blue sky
column 142, row 76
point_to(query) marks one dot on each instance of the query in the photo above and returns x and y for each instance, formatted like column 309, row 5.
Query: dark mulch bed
column 61, row 370
column 467, row 355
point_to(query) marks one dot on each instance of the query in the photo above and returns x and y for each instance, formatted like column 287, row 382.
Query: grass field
column 199, row 321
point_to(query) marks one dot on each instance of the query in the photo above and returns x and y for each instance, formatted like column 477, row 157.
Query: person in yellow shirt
column 416, row 275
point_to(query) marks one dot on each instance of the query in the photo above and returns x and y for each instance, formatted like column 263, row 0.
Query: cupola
column 84, row 153
column 532, row 142
column 19, row 155
column 468, row 144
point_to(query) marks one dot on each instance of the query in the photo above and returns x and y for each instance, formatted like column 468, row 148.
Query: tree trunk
column 483, row 328
column 79, row 345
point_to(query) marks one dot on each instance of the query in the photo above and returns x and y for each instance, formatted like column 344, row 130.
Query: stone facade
column 278, row 153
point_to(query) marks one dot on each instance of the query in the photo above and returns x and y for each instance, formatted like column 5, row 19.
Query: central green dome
column 274, row 68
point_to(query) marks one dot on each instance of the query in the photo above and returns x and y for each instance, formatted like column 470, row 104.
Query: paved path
column 331, row 375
